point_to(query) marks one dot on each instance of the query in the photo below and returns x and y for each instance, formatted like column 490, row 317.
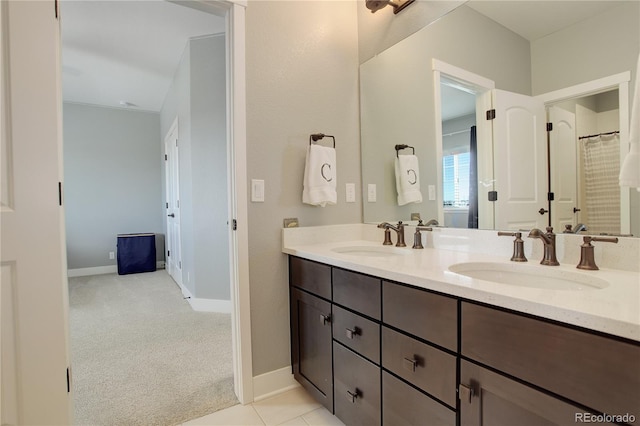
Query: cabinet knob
column 325, row 319
column 351, row 333
column 465, row 393
column 410, row 364
column 352, row 396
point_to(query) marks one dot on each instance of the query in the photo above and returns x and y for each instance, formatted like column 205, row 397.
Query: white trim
column 617, row 81
column 272, row 383
column 101, row 270
column 462, row 75
column 210, row 305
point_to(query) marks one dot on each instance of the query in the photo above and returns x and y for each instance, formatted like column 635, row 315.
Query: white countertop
column 613, row 310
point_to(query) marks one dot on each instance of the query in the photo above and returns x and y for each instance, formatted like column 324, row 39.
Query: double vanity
column 456, row 333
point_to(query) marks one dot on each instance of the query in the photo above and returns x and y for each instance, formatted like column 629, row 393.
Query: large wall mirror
column 431, row 91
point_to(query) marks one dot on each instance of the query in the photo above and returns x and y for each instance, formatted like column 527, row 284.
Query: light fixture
column 398, row 5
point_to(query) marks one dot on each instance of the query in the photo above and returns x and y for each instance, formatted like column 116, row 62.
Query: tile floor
column 291, row 408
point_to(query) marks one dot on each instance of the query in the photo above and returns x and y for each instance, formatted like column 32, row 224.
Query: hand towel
column 630, row 171
column 319, row 186
column 408, row 179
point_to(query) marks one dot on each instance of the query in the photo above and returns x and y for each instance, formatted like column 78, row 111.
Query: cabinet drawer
column 428, row 368
column 358, row 333
column 429, row 316
column 356, row 291
column 311, row 276
column 404, row 405
column 356, row 388
column 593, row 370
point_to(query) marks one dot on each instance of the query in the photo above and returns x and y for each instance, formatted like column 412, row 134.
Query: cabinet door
column 357, row 388
column 488, row 398
column 311, row 345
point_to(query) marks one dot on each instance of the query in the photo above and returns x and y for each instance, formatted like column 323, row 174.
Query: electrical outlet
column 351, row 193
column 112, row 255
column 257, row 190
column 371, row 193
column 432, row 192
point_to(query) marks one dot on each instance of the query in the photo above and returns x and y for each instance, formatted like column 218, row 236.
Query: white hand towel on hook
column 630, row 171
column 319, row 186
column 408, row 179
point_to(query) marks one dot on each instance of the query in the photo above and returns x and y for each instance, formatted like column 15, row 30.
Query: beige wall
column 302, row 78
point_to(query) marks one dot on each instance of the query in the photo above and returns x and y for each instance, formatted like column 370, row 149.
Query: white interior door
column 172, row 161
column 520, row 161
column 563, row 163
column 34, row 291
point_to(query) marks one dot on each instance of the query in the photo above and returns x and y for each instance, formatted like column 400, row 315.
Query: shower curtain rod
column 599, row 134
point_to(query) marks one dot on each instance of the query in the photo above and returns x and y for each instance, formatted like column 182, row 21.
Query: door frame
column 172, row 161
column 618, row 81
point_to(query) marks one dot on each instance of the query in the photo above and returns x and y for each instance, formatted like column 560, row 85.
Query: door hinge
column 176, row 142
column 493, row 195
column 165, row 157
column 549, row 127
column 234, row 225
column 56, row 8
column 168, row 253
column 68, row 380
column 167, row 204
column 550, row 196
column 177, row 203
column 60, row 193
column 180, row 264
column 491, row 114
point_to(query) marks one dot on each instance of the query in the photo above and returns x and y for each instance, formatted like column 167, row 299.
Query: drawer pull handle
column 352, row 396
column 410, row 364
column 465, row 393
column 324, row 319
column 351, row 333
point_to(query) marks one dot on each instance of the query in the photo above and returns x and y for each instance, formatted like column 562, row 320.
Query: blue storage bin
column 136, row 253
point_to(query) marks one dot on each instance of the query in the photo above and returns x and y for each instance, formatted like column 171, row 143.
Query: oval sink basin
column 535, row 276
column 372, row 251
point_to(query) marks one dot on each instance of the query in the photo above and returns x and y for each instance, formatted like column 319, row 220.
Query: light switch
column 371, row 193
column 350, row 193
column 432, row 192
column 257, row 190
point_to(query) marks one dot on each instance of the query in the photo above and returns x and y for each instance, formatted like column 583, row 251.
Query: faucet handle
column 417, row 237
column 518, row 246
column 587, row 258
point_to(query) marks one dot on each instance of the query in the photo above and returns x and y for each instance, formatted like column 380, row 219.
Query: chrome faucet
column 518, row 246
column 431, row 222
column 549, row 241
column 399, row 228
column 568, row 229
column 417, row 237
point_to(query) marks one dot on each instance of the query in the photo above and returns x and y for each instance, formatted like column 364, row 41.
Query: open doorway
column 113, row 152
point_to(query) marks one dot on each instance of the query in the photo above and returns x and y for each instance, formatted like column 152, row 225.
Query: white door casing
column 34, row 293
column 172, row 175
column 563, row 163
column 520, row 161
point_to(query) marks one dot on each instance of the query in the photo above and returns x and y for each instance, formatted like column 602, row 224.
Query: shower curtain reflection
column 601, row 166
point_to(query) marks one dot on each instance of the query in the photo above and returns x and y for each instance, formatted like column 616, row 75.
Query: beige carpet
column 141, row 356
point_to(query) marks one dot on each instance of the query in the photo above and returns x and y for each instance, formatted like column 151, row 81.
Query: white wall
column 197, row 97
column 302, row 78
column 112, row 180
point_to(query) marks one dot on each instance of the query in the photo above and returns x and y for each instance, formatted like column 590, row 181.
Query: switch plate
column 112, row 255
column 350, row 194
column 372, row 193
column 257, row 190
column 432, row 192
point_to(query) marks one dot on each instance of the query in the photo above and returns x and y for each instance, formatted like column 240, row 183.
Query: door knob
column 576, row 210
column 543, row 211
column 171, row 215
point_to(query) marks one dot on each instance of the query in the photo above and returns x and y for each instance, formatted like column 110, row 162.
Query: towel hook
column 317, row 136
column 403, row 146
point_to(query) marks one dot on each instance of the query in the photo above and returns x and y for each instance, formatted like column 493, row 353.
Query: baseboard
column 210, row 305
column 101, row 270
column 272, row 383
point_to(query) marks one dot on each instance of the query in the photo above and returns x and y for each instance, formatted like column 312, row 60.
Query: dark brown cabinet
column 377, row 352
column 311, row 336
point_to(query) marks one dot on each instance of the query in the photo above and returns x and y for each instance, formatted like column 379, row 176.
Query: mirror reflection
column 406, row 99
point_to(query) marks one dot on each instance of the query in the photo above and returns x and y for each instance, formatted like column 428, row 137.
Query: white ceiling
column 126, row 51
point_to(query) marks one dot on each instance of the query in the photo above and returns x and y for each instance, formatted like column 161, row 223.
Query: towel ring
column 403, row 146
column 317, row 136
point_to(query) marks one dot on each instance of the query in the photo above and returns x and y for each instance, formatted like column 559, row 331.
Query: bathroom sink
column 536, row 276
column 372, row 251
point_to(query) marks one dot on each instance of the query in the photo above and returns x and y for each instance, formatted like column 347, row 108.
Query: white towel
column 319, row 186
column 630, row 171
column 408, row 179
